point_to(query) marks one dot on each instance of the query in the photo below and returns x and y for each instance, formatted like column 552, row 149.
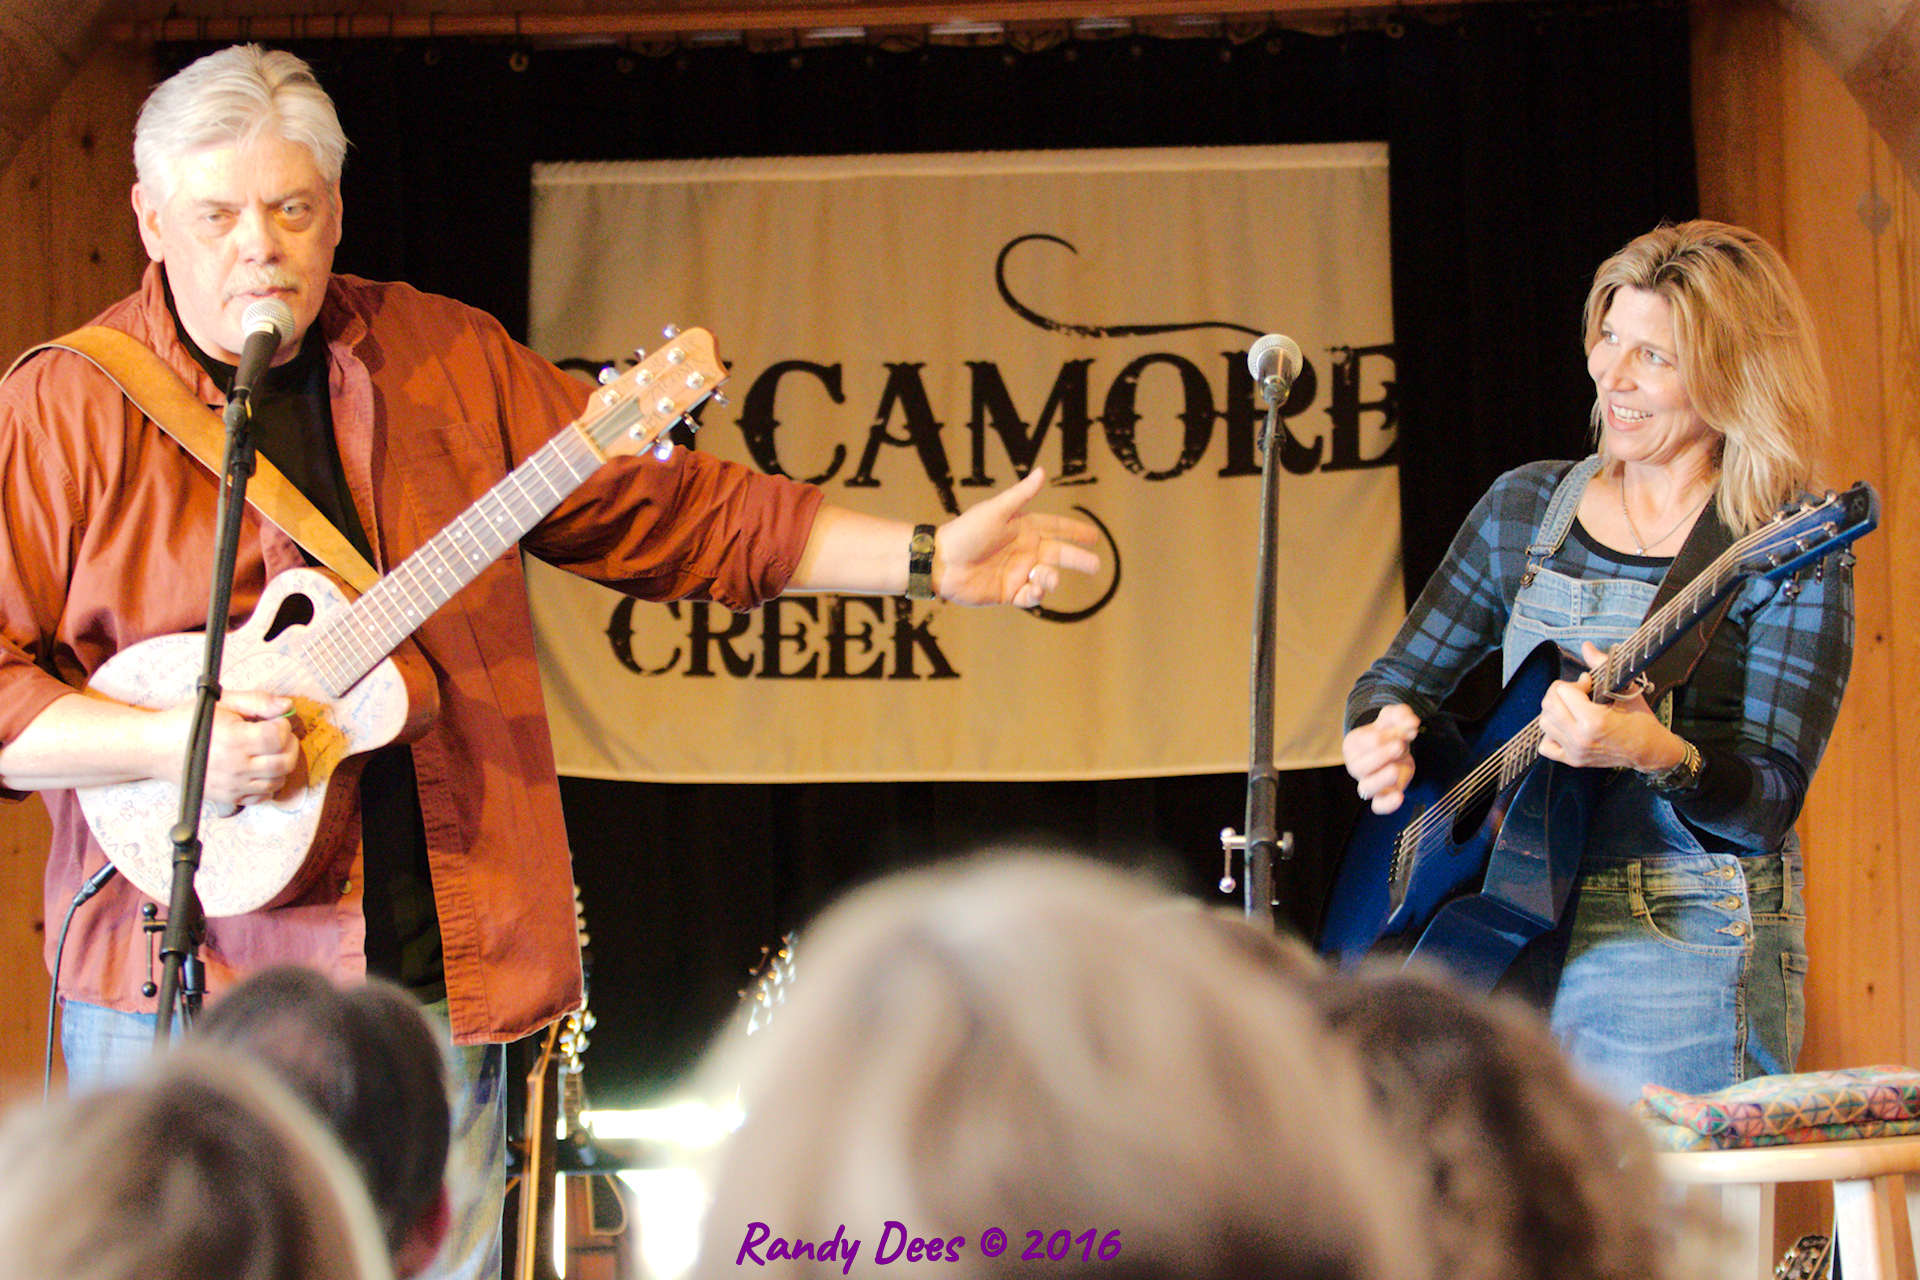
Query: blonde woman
column 1681, row 958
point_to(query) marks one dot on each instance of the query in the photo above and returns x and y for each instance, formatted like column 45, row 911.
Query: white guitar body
column 255, row 857
column 308, row 641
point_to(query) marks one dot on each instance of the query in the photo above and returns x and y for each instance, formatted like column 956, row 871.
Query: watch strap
column 920, row 563
column 1683, row 776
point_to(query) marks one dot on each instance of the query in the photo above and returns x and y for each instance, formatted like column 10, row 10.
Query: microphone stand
column 1262, row 842
column 182, row 977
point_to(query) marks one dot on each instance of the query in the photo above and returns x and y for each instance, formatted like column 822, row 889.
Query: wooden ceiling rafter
column 821, row 19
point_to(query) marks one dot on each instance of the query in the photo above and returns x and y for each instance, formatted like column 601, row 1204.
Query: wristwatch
column 1684, row 776
column 920, row 563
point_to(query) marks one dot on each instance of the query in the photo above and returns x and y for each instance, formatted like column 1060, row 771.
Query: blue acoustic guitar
column 1479, row 858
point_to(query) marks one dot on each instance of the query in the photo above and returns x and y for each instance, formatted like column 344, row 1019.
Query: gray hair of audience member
column 366, row 1060
column 231, row 98
column 1532, row 1172
column 203, row 1166
column 1047, row 1045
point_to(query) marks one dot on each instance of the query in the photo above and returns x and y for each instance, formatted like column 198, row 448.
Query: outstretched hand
column 998, row 552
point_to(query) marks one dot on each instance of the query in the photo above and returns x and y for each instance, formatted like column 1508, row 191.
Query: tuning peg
column 671, row 332
column 663, row 448
column 720, row 398
column 690, row 422
column 639, row 354
column 607, row 374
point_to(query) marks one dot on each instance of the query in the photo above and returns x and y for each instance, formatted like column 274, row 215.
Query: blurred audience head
column 1048, row 1046
column 1532, row 1173
column 203, row 1166
column 367, row 1061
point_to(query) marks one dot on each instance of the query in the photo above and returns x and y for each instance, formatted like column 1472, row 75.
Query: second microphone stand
column 1263, row 841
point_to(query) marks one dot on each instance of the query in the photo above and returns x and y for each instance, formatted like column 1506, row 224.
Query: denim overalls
column 1683, row 968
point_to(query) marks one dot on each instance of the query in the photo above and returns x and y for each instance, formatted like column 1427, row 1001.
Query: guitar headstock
column 771, row 978
column 1810, row 530
column 635, row 410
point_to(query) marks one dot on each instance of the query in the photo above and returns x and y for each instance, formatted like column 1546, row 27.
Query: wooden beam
column 41, row 46
column 698, row 17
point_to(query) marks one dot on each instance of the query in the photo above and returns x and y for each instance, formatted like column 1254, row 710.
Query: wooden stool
column 1875, row 1207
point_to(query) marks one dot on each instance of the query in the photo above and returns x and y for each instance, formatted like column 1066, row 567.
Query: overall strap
column 157, row 391
column 1559, row 515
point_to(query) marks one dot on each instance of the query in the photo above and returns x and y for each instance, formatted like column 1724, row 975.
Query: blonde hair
column 232, row 98
column 1043, row 1044
column 1747, row 351
column 203, row 1166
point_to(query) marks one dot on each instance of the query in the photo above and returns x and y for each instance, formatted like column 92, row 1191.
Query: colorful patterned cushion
column 1812, row 1106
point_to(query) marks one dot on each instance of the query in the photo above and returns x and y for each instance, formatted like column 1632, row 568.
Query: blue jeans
column 1686, row 971
column 103, row 1046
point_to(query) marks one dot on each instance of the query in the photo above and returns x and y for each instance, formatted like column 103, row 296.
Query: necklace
column 1641, row 544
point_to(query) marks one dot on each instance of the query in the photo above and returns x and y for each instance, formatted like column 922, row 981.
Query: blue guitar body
column 1471, row 892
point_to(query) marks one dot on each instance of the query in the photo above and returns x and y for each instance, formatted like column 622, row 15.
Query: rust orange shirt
column 108, row 539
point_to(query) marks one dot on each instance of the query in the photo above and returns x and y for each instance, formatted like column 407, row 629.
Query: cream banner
column 915, row 332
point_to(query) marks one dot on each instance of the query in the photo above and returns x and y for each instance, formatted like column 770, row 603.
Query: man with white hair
column 391, row 410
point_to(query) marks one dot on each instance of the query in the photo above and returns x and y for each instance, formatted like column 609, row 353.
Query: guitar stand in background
column 1263, row 842
column 555, row 1176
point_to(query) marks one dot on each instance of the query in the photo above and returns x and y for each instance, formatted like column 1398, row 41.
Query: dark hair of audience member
column 204, row 1166
column 365, row 1058
column 1532, row 1172
column 1046, row 1044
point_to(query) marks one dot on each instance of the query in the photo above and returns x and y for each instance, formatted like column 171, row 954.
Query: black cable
column 95, row 883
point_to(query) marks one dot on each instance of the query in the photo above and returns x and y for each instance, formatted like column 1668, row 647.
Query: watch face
column 922, row 544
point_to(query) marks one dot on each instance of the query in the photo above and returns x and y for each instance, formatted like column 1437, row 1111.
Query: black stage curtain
column 1527, row 143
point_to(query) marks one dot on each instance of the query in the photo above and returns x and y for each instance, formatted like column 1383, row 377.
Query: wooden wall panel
column 68, row 249
column 1898, row 260
column 1855, row 1002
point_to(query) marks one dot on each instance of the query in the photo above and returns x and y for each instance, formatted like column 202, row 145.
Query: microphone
column 1274, row 362
column 268, row 325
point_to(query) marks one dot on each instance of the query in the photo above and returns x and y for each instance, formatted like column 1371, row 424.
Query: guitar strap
column 1710, row 537
column 157, row 391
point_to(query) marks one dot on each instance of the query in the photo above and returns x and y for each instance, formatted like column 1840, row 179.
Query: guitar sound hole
column 295, row 611
column 1472, row 818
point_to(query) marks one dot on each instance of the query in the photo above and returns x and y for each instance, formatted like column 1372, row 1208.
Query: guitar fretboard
column 350, row 642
